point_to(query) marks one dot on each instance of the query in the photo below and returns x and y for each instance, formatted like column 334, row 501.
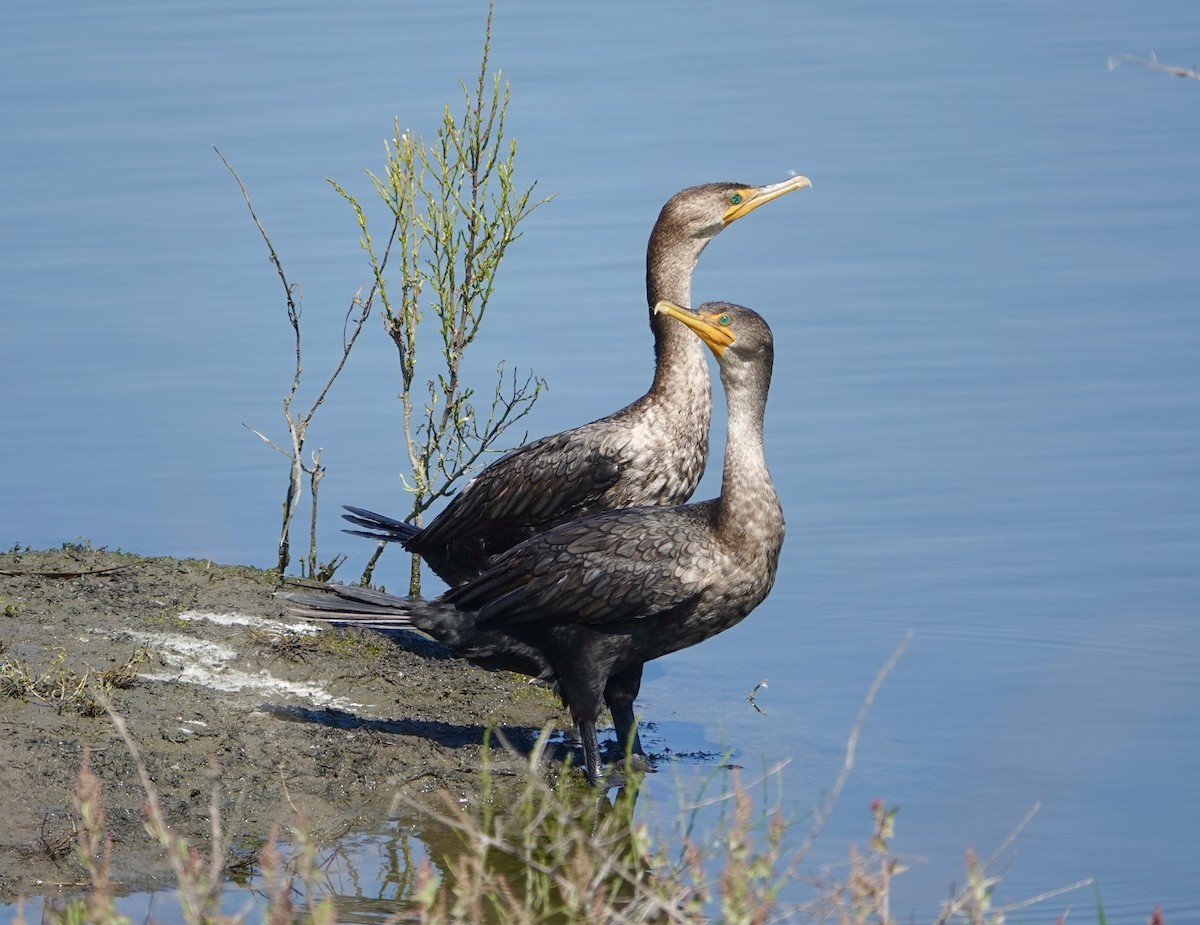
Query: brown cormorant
column 650, row 452
column 586, row 604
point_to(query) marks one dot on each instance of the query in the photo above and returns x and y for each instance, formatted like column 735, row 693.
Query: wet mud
column 218, row 686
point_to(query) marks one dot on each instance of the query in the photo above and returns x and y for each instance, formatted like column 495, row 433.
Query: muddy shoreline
column 209, row 673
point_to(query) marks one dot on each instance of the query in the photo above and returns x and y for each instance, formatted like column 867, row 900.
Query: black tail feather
column 379, row 526
column 347, row 604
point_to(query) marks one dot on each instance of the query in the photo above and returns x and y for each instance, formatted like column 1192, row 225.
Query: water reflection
column 551, row 850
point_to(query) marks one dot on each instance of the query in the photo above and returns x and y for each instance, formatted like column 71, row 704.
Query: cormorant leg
column 619, row 694
column 591, row 750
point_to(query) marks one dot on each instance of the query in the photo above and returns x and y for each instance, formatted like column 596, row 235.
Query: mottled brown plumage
column 588, row 603
column 650, row 452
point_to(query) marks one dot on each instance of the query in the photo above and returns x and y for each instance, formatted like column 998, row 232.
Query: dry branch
column 1154, row 64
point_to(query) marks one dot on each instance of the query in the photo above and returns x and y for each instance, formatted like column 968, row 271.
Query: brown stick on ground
column 94, row 571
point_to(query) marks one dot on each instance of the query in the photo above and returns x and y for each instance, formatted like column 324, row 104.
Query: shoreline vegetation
column 452, row 208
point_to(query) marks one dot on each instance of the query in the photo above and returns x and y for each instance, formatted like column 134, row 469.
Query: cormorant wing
column 534, row 484
column 619, row 565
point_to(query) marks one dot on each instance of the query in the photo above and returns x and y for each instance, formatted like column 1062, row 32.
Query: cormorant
column 588, row 603
column 650, row 452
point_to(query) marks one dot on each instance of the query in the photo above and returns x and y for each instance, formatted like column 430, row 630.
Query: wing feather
column 614, row 566
column 567, row 472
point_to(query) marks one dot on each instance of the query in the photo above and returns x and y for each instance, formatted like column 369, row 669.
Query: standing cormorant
column 650, row 452
column 588, row 603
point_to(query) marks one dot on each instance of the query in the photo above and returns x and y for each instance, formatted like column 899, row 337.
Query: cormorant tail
column 379, row 526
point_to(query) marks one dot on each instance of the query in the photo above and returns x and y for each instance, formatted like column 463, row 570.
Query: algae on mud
column 214, row 681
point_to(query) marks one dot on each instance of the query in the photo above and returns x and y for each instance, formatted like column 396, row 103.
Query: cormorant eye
column 735, row 198
column 723, row 321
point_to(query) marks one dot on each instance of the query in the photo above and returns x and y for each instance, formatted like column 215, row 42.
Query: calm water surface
column 984, row 421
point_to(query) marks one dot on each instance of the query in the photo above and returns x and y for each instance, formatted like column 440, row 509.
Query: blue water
column 984, row 420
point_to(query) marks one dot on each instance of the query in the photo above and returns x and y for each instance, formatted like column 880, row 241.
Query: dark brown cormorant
column 588, row 603
column 650, row 452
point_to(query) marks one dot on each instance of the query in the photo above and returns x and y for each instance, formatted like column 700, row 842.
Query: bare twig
column 356, row 316
column 1154, row 64
column 823, row 812
column 95, row 571
column 974, row 898
column 199, row 882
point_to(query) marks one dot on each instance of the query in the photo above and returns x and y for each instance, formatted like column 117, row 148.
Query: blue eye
column 735, row 198
column 723, row 321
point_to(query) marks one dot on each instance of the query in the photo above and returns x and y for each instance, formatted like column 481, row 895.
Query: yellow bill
column 713, row 329
column 744, row 201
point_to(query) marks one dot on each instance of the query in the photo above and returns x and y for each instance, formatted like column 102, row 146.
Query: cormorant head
column 721, row 325
column 702, row 211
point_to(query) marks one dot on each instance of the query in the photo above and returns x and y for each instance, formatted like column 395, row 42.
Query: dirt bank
column 205, row 667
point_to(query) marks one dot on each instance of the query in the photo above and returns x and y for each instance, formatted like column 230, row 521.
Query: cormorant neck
column 748, row 513
column 680, row 365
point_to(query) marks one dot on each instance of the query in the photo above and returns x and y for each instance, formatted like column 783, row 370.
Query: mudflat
column 220, row 689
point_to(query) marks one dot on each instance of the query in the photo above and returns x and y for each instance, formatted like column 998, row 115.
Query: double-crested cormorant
column 588, row 603
column 650, row 452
